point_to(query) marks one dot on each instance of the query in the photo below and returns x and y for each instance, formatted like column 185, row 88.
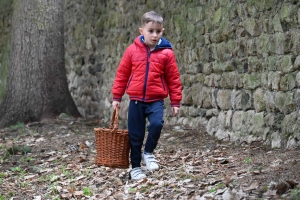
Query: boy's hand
column 175, row 111
column 116, row 104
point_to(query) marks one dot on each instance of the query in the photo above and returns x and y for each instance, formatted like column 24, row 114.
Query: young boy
column 149, row 73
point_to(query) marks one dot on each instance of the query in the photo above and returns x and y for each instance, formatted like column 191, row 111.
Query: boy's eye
column 152, row 31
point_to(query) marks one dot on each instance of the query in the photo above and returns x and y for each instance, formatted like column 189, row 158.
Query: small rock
column 65, row 116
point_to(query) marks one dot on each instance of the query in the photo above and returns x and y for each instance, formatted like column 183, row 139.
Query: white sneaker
column 137, row 174
column 150, row 161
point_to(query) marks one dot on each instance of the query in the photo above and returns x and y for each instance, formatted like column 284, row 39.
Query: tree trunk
column 37, row 85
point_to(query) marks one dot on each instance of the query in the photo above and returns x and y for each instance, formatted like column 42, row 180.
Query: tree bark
column 37, row 85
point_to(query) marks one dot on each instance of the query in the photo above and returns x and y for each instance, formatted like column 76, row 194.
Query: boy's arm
column 122, row 76
column 172, row 77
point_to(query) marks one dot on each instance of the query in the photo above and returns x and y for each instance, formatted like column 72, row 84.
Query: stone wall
column 239, row 62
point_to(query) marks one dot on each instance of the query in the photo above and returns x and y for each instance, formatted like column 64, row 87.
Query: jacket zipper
column 147, row 70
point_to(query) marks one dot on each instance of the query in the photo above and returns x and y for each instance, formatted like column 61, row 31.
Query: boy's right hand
column 116, row 104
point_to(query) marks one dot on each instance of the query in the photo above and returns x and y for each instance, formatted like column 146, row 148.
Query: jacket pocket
column 131, row 77
column 162, row 83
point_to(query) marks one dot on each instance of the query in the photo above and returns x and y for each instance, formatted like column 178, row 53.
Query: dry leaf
column 52, row 159
column 253, row 186
column 81, row 158
column 71, row 189
column 30, row 177
column 119, row 195
column 51, row 153
column 82, row 147
column 66, row 195
column 80, row 177
column 78, row 193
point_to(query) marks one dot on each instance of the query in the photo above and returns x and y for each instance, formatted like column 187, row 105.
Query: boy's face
column 152, row 32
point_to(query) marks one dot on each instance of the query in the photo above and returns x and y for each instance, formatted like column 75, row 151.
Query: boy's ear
column 162, row 31
column 141, row 31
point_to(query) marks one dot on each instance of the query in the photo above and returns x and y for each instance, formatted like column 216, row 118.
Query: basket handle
column 114, row 122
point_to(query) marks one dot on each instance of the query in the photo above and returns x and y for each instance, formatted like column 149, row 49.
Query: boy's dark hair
column 151, row 17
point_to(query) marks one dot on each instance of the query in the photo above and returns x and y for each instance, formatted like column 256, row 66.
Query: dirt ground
column 55, row 160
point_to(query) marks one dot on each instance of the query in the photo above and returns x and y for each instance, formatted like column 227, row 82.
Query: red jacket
column 148, row 76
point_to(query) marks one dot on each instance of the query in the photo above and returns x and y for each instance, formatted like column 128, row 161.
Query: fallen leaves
column 61, row 165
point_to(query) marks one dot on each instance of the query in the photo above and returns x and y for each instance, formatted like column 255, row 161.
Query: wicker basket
column 112, row 145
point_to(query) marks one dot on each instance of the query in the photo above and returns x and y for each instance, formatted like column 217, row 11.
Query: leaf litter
column 55, row 160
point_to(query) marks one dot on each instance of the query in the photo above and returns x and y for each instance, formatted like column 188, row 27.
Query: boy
column 149, row 73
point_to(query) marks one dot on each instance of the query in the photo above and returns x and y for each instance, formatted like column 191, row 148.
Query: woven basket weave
column 112, row 144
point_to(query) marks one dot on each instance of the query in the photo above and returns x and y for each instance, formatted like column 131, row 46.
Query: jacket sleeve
column 122, row 76
column 172, row 77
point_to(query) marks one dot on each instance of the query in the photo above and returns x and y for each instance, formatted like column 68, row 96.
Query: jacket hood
column 162, row 43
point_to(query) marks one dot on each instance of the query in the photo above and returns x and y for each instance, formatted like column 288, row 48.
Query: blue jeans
column 137, row 113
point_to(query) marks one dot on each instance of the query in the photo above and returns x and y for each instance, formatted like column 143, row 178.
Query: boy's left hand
column 116, row 104
column 175, row 111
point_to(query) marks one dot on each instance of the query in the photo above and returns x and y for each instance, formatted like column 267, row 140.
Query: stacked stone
column 239, row 62
column 241, row 80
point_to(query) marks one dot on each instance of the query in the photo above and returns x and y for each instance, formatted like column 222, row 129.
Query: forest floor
column 55, row 160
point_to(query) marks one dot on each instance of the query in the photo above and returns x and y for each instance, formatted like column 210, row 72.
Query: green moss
column 152, row 4
column 180, row 25
column 280, row 99
column 78, row 33
column 285, row 11
column 225, row 28
column 190, row 28
column 258, row 119
column 208, row 26
column 217, row 17
column 4, row 60
column 196, row 13
column 4, row 4
column 252, row 81
column 218, row 68
column 6, row 13
column 288, row 123
column 100, row 25
column 40, row 26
